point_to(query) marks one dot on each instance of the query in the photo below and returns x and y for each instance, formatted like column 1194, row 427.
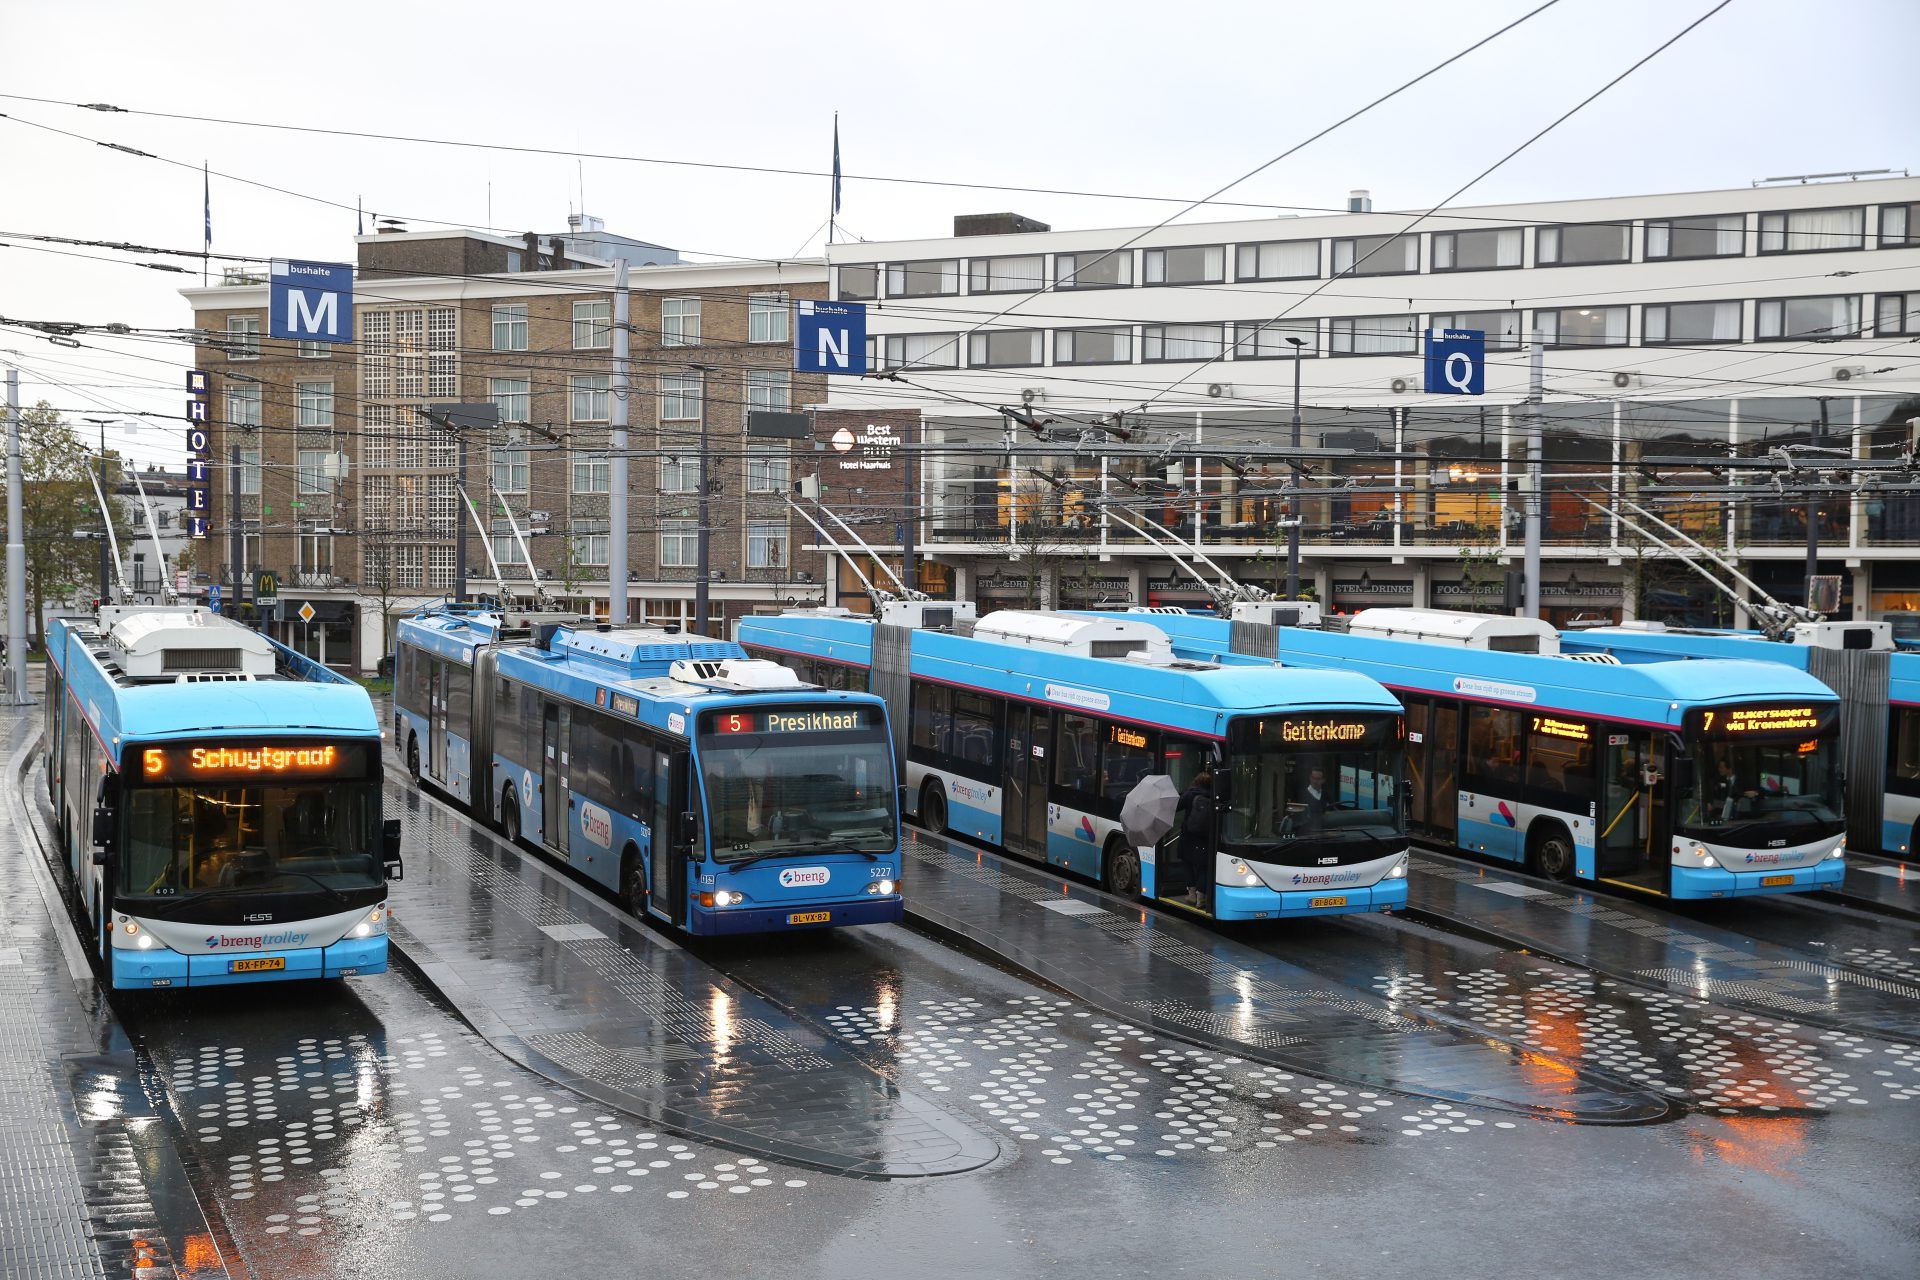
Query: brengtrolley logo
column 1763, row 859
column 254, row 941
column 804, row 877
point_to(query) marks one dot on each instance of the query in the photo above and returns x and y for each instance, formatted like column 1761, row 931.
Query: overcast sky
column 1120, row 96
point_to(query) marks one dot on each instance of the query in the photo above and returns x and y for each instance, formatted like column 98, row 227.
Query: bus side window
column 1493, row 749
column 1906, row 754
column 1078, row 768
column 932, row 718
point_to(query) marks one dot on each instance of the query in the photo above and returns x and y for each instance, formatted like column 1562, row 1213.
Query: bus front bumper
column 1718, row 882
column 715, row 921
column 347, row 958
column 1234, row 902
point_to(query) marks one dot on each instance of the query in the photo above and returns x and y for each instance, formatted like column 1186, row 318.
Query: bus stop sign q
column 1456, row 362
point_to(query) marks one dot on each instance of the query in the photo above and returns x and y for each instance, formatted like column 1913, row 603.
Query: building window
column 680, row 473
column 250, row 472
column 1093, row 346
column 513, row 397
column 443, row 352
column 1376, row 256
column 1093, row 270
column 1501, row 327
column 767, row 468
column 922, row 350
column 1007, row 349
column 1832, row 316
column 592, row 473
column 510, row 327
column 679, row 544
column 1490, row 250
column 680, row 322
column 243, row 406
column 1899, row 225
column 1897, row 314
column 510, row 470
column 315, row 403
column 592, row 397
column 316, row 473
column 310, row 350
column 440, row 568
column 1576, row 244
column 1373, row 335
column 1278, row 260
column 1024, row 274
column 506, row 549
column 1159, row 342
column 316, row 548
column 933, row 277
column 767, row 317
column 766, row 544
column 1583, row 326
column 1724, row 236
column 859, row 282
column 1196, row 264
column 1690, row 322
column 1812, row 230
column 679, row 397
column 769, row 390
column 593, row 325
column 591, row 541
column 1267, row 339
column 243, row 337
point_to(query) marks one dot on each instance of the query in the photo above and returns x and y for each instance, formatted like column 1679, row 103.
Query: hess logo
column 804, row 877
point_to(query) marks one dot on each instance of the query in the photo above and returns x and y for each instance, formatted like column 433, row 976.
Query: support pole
column 1294, row 507
column 460, row 530
column 106, row 520
column 909, row 514
column 1536, row 390
column 703, row 559
column 16, row 555
column 236, row 540
column 1813, row 508
column 617, row 455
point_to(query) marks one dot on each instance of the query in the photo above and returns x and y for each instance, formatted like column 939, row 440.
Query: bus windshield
column 780, row 780
column 1325, row 780
column 1748, row 792
column 265, row 837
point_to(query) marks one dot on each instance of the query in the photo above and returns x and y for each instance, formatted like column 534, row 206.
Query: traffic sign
column 306, row 611
column 266, row 587
column 310, row 301
column 830, row 337
column 213, row 597
column 1456, row 362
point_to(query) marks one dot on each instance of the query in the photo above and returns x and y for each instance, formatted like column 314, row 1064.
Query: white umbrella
column 1147, row 813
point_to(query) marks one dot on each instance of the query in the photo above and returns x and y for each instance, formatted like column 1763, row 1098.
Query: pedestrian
column 1196, row 834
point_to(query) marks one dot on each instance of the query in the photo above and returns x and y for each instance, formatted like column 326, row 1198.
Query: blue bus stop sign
column 830, row 337
column 1456, row 362
column 310, row 301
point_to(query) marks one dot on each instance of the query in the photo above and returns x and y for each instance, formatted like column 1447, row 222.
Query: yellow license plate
column 1776, row 879
column 257, row 966
column 810, row 917
column 1328, row 902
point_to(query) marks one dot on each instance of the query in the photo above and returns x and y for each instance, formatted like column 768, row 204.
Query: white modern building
column 1726, row 324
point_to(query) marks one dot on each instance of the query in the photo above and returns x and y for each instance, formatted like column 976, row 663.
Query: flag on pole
column 836, row 162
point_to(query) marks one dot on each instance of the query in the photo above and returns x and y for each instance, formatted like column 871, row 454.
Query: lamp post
column 1293, row 526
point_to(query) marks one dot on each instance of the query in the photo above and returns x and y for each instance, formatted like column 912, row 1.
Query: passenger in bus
column 1315, row 816
column 1195, row 810
column 1726, row 791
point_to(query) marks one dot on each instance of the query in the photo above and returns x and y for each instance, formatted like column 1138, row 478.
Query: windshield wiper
column 229, row 890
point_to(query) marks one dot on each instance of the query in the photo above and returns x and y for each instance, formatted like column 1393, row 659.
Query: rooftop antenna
column 153, row 531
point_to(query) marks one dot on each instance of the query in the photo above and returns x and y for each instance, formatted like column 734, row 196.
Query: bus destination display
column 796, row 720
column 1311, row 732
column 239, row 761
column 1745, row 722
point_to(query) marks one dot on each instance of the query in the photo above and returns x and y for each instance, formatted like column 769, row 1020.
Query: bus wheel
column 413, row 758
column 933, row 809
column 633, row 880
column 509, row 816
column 1120, row 869
column 1553, row 855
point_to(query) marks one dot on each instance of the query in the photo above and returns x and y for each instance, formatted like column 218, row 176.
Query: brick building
column 328, row 471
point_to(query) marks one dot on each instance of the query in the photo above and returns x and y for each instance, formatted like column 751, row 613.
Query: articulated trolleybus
column 218, row 801
column 1702, row 779
column 714, row 793
column 1028, row 730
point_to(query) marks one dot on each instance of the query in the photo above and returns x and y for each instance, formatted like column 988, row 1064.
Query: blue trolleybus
column 1706, row 779
column 217, row 798
column 1879, row 687
column 714, row 793
column 1028, row 730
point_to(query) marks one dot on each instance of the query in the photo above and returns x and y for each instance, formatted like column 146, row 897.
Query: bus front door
column 1024, row 804
column 555, row 802
column 669, row 839
column 437, row 719
column 1631, row 849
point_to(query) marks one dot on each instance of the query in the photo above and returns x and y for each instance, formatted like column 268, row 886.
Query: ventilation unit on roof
column 1457, row 628
column 735, row 675
column 1278, row 613
column 1105, row 637
column 1405, row 385
column 1604, row 659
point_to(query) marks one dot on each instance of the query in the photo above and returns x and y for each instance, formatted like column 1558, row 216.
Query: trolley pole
column 1536, row 390
column 1813, row 507
column 617, row 455
column 459, row 526
column 16, row 555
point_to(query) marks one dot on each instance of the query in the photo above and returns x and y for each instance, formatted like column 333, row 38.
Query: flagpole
column 206, row 200
column 833, row 204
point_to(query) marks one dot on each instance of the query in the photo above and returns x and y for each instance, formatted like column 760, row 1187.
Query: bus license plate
column 257, row 966
column 810, row 917
column 1769, row 880
column 1327, row 902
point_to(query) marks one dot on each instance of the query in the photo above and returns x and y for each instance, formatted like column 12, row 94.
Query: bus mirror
column 901, row 797
column 390, row 849
column 103, row 837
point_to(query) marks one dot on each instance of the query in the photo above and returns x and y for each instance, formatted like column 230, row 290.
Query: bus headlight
column 145, row 942
column 728, row 897
column 367, row 926
column 1246, row 874
column 1840, row 849
column 1399, row 871
column 1706, row 857
column 882, row 888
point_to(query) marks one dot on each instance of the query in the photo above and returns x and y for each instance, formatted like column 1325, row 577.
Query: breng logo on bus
column 804, row 877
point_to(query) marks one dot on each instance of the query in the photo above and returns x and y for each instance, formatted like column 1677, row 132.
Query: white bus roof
column 1458, row 628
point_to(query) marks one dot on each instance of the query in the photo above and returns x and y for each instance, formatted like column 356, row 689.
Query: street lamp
column 1293, row 528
